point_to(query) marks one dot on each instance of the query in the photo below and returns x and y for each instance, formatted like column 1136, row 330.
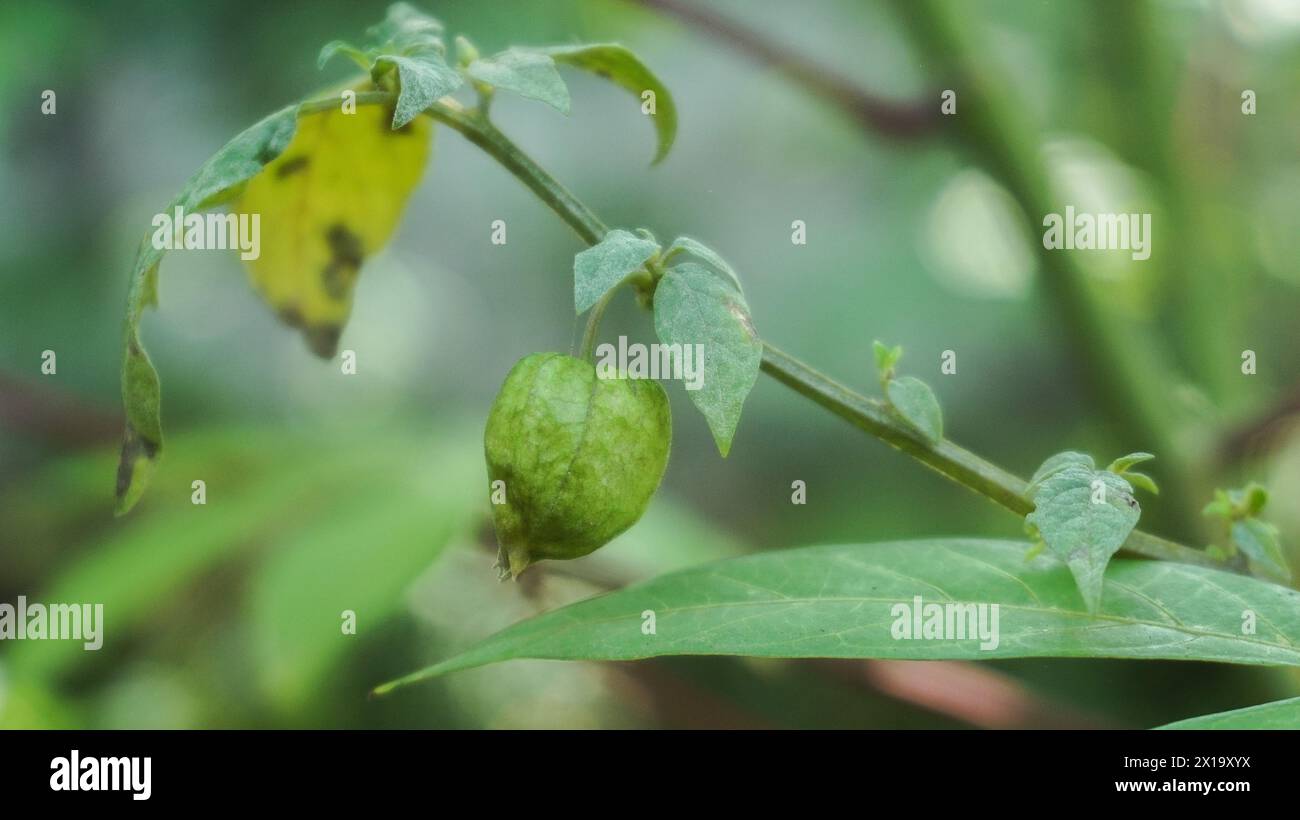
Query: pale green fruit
column 580, row 457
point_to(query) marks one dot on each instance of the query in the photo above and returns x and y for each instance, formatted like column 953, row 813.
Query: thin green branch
column 869, row 415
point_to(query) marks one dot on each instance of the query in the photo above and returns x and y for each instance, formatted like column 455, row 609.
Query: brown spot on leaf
column 346, row 255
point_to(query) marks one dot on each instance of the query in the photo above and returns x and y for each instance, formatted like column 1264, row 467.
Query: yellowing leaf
column 327, row 203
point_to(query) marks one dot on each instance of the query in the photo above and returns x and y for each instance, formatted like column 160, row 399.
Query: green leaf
column 1084, row 516
column 1220, row 507
column 1058, row 462
column 693, row 306
column 1142, row 481
column 619, row 65
column 684, row 244
column 406, row 28
column 425, row 78
column 221, row 178
column 317, row 571
column 334, row 47
column 1255, row 498
column 915, row 402
column 849, row 601
column 605, row 265
column 1120, row 465
column 1258, row 540
column 1282, row 714
column 526, row 72
column 886, row 359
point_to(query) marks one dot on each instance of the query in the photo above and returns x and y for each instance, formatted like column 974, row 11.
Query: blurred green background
column 364, row 492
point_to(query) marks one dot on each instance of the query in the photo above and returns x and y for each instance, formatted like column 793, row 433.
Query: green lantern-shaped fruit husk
column 579, row 456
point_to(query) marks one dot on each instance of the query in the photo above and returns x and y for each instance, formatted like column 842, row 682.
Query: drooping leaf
column 329, row 202
column 619, row 65
column 850, row 601
column 527, row 72
column 1084, row 516
column 220, row 178
column 684, row 244
column 693, row 306
column 1282, row 714
column 424, row 78
column 606, row 264
column 1258, row 540
column 915, row 402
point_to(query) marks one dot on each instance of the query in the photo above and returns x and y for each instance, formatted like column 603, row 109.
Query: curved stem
column 950, row 460
column 597, row 312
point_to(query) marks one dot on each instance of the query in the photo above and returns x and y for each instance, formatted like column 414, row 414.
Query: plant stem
column 588, row 347
column 958, row 464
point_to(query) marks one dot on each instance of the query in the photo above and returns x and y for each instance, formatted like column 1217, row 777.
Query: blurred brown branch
column 1259, row 433
column 889, row 118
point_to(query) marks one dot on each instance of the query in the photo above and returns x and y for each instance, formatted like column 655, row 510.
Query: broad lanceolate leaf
column 915, row 402
column 219, row 179
column 527, row 72
column 693, row 306
column 606, row 264
column 424, row 77
column 861, row 601
column 618, row 64
column 684, row 244
column 1258, row 540
column 331, row 200
column 1084, row 515
column 1282, row 714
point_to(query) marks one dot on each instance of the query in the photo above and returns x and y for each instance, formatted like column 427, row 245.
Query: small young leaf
column 1220, row 507
column 1058, row 462
column 684, row 244
column 693, row 306
column 606, row 264
column 332, row 199
column 1255, row 498
column 618, row 64
column 915, row 402
column 425, row 78
column 886, row 359
column 1084, row 516
column 220, row 178
column 1258, row 540
column 527, row 73
column 1120, row 465
column 1142, row 481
